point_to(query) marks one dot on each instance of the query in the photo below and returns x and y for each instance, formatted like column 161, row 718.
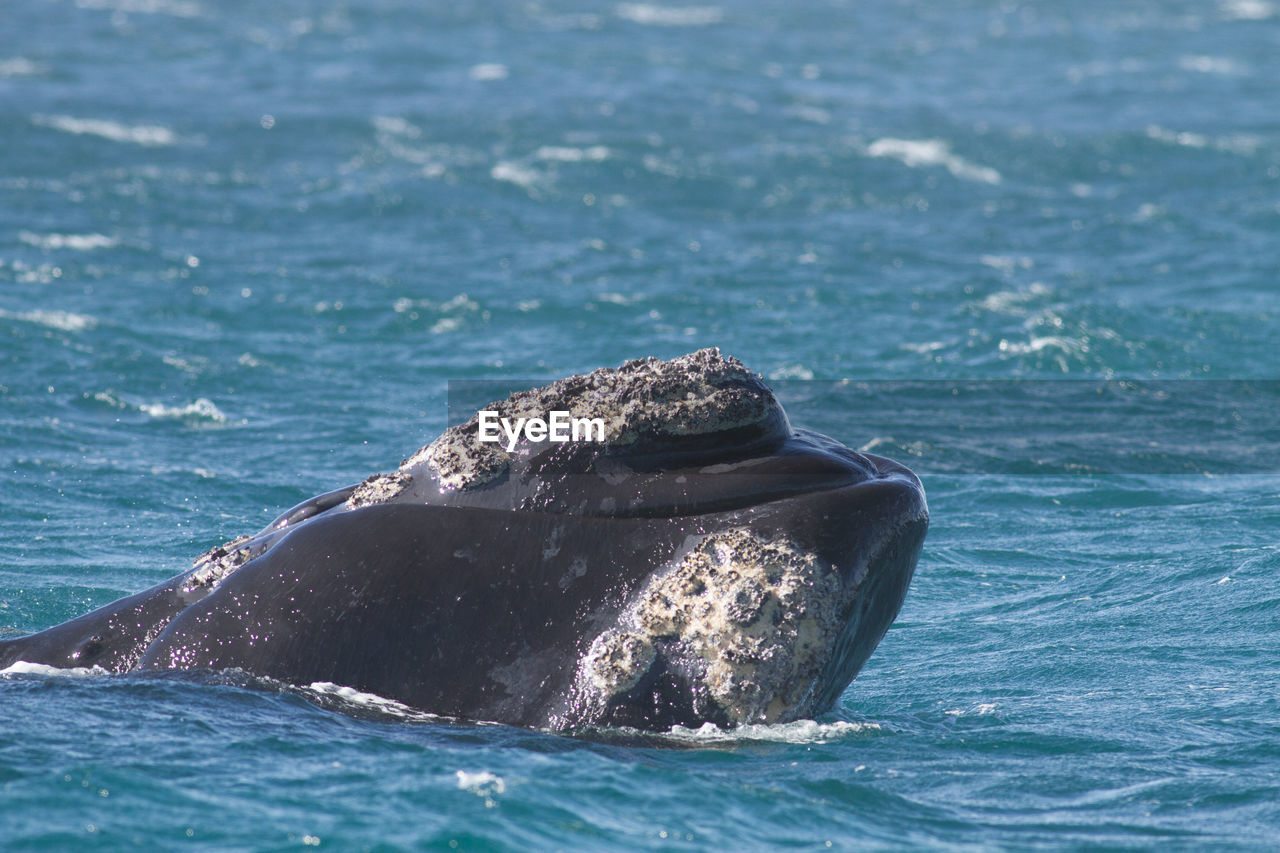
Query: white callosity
column 214, row 565
column 696, row 394
column 617, row 661
column 378, row 489
column 762, row 617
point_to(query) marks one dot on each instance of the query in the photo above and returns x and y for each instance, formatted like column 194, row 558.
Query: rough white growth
column 379, row 488
column 696, row 394
column 761, row 617
column 617, row 661
column 215, row 564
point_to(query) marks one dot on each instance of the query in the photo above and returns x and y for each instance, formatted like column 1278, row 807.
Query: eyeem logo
column 560, row 426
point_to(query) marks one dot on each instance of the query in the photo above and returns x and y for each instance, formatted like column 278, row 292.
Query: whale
column 699, row 560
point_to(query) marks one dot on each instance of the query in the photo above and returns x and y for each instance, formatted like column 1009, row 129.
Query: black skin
column 468, row 611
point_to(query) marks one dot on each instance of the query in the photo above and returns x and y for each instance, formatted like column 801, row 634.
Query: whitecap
column 800, row 731
column 202, row 409
column 19, row 67
column 806, row 112
column 1247, row 10
column 521, row 176
column 23, row 667
column 669, row 16
column 78, row 242
column 396, row 125
column 1238, row 143
column 982, row 709
column 139, row 134
column 932, row 152
column 486, row 71
column 1006, row 263
column 1209, row 64
column 176, row 8
column 566, row 154
column 63, row 321
column 792, row 371
column 1013, row 301
column 481, row 782
column 1036, row 344
column 460, row 302
column 923, row 347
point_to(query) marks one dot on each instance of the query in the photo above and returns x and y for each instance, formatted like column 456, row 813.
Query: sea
column 1030, row 249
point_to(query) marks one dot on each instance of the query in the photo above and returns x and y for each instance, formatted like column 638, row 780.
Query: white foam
column 396, row 125
column 486, row 71
column 177, row 8
column 1247, row 10
column 1209, row 64
column 875, row 442
column 370, row 701
column 669, row 16
column 521, row 176
column 800, row 731
column 79, row 242
column 481, row 782
column 791, row 371
column 19, row 67
column 460, row 302
column 202, row 408
column 1239, row 143
column 63, row 321
column 23, row 667
column 1013, row 301
column 140, row 134
column 806, row 112
column 565, row 154
column 932, row 152
column 923, row 347
column 1006, row 263
column 1036, row 344
column 982, row 709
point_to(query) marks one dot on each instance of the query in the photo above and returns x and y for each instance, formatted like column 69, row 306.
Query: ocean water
column 1028, row 248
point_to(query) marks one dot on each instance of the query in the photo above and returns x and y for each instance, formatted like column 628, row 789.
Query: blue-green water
column 244, row 248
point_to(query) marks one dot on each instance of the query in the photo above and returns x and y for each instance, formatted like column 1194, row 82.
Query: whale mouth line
column 748, row 500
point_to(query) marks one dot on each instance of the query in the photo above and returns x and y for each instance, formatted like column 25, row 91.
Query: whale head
column 777, row 558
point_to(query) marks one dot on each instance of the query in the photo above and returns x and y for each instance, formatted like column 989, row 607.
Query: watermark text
column 558, row 426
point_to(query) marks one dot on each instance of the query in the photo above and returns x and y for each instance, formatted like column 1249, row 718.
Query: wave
column 63, row 321
column 200, row 409
column 150, row 135
column 79, row 242
column 932, row 152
